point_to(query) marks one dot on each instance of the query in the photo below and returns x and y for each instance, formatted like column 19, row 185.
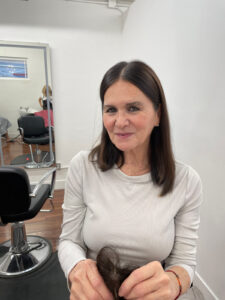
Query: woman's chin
column 123, row 147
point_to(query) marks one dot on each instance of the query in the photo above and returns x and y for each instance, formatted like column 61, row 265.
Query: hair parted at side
column 161, row 158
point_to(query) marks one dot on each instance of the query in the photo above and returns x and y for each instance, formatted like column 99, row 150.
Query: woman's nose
column 121, row 120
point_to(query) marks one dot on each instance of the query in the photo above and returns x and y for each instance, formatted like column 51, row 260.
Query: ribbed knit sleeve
column 187, row 223
column 71, row 248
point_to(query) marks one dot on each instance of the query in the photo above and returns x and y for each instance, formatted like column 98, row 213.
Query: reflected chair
column 33, row 131
column 19, row 202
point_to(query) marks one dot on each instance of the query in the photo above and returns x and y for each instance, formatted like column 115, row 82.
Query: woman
column 129, row 193
column 43, row 100
column 43, row 103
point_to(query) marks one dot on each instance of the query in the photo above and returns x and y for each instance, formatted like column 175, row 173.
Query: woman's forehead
column 124, row 91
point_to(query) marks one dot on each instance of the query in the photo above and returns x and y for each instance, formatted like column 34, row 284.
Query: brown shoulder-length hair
column 161, row 158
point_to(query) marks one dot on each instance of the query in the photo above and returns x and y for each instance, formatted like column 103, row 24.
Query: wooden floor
column 47, row 225
column 12, row 148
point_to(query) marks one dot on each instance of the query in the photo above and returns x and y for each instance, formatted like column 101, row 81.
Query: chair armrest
column 1, row 222
column 39, row 184
column 21, row 131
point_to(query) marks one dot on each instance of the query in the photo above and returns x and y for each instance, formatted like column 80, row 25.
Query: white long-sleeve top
column 126, row 212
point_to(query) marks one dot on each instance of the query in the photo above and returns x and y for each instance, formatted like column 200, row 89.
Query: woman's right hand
column 87, row 283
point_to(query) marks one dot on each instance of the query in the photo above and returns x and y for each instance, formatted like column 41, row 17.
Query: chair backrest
column 32, row 125
column 14, row 191
column 44, row 114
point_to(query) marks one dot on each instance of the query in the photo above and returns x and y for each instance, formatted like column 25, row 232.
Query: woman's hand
column 87, row 283
column 149, row 282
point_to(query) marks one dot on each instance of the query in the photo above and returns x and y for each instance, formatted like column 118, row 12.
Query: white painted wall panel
column 184, row 41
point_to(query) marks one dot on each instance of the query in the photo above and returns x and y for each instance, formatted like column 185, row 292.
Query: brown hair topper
column 108, row 264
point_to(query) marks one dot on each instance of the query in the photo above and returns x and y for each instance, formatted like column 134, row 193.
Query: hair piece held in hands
column 108, row 264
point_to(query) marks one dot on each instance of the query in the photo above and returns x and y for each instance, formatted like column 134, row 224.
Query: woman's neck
column 135, row 163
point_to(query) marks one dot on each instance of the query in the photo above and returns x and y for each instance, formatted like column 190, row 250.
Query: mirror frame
column 46, row 51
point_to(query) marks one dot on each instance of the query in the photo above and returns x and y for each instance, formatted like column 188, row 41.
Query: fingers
column 98, row 283
column 85, row 292
column 87, row 283
column 147, row 275
column 142, row 289
column 158, row 295
column 149, row 287
column 80, row 285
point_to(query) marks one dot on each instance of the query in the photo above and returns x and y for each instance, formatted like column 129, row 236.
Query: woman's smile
column 124, row 135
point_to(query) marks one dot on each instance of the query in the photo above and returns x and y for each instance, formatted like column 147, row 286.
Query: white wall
column 184, row 41
column 84, row 42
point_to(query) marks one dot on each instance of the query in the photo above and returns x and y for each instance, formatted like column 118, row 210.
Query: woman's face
column 128, row 116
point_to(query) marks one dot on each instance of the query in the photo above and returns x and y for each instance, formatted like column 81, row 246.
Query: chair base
column 32, row 165
column 46, row 164
column 13, row 264
column 39, row 161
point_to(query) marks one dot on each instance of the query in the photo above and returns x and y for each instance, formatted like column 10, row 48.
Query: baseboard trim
column 36, row 174
column 204, row 288
column 60, row 184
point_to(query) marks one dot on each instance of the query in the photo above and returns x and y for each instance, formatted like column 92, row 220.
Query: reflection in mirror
column 26, row 106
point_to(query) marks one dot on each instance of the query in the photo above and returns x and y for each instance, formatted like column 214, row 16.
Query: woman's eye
column 133, row 108
column 110, row 110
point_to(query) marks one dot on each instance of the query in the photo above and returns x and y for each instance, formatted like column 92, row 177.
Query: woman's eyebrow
column 107, row 105
column 135, row 103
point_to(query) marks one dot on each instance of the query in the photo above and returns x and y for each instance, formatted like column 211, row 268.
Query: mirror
column 25, row 102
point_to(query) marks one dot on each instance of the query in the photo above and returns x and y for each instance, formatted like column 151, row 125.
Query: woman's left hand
column 147, row 283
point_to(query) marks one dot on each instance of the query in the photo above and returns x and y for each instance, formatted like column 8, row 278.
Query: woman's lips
column 123, row 135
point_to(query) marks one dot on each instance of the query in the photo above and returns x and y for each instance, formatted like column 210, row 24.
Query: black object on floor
column 26, row 158
column 46, row 283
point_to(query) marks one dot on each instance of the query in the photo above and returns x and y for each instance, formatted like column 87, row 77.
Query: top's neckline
column 137, row 178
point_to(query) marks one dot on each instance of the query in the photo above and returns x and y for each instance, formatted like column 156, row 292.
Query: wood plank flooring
column 16, row 147
column 47, row 225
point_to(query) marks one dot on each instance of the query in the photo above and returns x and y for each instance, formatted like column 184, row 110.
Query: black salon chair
column 33, row 131
column 20, row 202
